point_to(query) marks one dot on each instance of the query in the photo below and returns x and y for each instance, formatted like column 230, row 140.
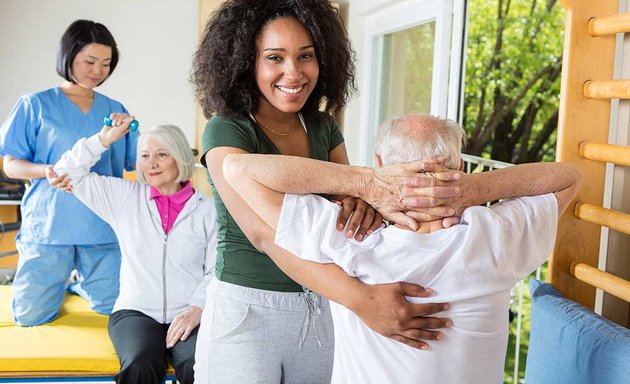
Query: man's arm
column 262, row 181
column 563, row 179
column 388, row 189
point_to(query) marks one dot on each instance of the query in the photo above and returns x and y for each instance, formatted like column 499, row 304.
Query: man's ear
column 461, row 165
column 379, row 161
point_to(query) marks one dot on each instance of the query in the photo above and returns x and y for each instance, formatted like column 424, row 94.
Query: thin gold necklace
column 259, row 121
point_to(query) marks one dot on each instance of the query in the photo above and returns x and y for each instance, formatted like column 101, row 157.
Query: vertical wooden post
column 580, row 119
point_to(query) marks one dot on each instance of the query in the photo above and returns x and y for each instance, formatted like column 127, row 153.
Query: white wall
column 156, row 39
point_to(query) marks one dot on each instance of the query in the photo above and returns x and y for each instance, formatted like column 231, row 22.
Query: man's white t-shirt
column 472, row 266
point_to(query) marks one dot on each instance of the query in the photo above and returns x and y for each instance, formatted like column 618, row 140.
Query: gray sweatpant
column 252, row 336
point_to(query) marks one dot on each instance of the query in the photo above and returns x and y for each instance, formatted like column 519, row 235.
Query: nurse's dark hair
column 79, row 34
column 224, row 64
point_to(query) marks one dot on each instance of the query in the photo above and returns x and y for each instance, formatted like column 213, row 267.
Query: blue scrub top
column 41, row 127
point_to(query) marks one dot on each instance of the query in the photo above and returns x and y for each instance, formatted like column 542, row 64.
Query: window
column 412, row 61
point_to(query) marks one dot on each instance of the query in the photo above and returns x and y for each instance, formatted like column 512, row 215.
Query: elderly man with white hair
column 471, row 265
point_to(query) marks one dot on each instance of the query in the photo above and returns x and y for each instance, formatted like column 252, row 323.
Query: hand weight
column 132, row 127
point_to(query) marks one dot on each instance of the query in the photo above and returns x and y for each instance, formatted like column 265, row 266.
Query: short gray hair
column 175, row 142
column 419, row 136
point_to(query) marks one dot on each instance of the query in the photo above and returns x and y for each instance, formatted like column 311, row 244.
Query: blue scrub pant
column 40, row 280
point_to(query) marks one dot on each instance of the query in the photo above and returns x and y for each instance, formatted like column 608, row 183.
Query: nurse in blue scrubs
column 58, row 233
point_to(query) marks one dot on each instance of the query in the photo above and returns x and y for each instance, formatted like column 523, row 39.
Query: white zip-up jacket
column 160, row 274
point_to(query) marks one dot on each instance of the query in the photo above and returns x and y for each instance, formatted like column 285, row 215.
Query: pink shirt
column 169, row 206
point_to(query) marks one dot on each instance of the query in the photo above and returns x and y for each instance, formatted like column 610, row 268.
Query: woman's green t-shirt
column 238, row 261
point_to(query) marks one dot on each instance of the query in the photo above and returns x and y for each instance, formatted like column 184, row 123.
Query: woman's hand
column 359, row 219
column 385, row 309
column 60, row 182
column 118, row 129
column 183, row 325
column 412, row 192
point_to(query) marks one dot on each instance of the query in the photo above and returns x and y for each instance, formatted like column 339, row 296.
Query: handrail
column 610, row 218
column 605, row 281
column 606, row 153
column 608, row 25
column 486, row 164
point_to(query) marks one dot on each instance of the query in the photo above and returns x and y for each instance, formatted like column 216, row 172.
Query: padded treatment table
column 74, row 346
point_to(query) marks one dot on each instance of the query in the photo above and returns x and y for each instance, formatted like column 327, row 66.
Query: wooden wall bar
column 608, row 25
column 582, row 120
column 612, row 219
column 607, row 89
column 607, row 153
column 607, row 282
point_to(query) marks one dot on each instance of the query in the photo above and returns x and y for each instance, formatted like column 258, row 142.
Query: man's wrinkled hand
column 411, row 192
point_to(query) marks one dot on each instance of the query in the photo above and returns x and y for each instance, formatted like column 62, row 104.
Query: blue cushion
column 569, row 343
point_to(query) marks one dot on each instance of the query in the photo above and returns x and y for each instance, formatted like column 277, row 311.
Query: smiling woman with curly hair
column 224, row 66
column 269, row 75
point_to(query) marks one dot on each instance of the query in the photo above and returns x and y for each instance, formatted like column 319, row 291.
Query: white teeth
column 289, row 90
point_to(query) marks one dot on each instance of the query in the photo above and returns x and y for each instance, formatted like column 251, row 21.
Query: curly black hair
column 224, row 64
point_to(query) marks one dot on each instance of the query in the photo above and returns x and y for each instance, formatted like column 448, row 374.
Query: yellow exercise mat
column 77, row 341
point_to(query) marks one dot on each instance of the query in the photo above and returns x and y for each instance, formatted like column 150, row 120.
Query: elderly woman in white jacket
column 167, row 236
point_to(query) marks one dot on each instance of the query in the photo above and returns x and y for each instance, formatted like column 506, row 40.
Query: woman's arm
column 198, row 297
column 358, row 217
column 383, row 308
column 23, row 169
column 185, row 322
column 102, row 194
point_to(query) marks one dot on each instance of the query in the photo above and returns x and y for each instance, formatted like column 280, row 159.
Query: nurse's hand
column 118, row 129
column 385, row 309
column 183, row 325
column 60, row 182
column 358, row 217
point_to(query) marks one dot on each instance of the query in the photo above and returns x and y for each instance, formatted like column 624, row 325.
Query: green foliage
column 514, row 55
